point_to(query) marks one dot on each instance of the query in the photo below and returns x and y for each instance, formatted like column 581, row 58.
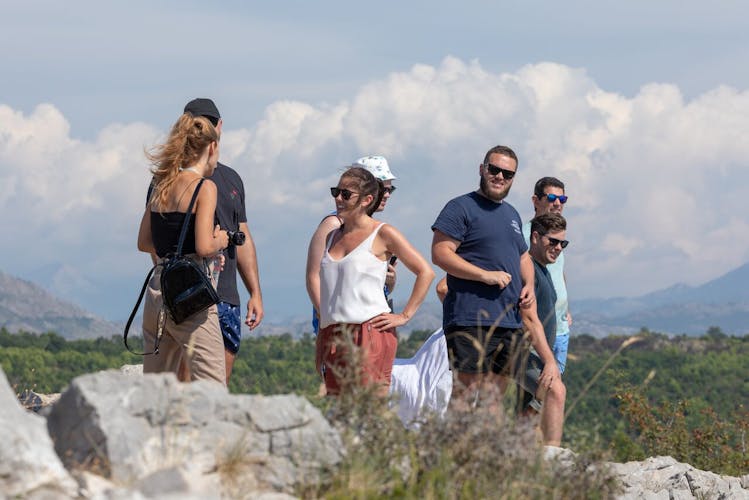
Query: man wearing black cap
column 231, row 213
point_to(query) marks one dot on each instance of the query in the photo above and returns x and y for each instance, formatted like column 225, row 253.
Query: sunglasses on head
column 345, row 193
column 388, row 189
column 495, row 170
column 554, row 242
column 551, row 198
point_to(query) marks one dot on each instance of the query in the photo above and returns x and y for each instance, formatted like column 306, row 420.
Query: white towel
column 423, row 382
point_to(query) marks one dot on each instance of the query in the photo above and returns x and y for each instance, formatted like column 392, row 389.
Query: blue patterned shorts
column 231, row 326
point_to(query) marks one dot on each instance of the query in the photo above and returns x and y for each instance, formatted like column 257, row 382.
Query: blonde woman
column 189, row 155
column 352, row 307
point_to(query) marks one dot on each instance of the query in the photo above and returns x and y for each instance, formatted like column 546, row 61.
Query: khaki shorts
column 198, row 339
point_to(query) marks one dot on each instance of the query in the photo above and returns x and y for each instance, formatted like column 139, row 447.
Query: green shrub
column 683, row 430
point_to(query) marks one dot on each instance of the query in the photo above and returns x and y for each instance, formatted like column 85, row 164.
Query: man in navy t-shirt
column 231, row 215
column 479, row 243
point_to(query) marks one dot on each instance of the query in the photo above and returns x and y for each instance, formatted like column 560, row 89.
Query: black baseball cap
column 203, row 107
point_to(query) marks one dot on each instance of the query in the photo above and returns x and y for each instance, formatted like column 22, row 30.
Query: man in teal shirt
column 549, row 197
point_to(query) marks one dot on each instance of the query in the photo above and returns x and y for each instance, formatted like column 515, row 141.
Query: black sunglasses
column 495, row 170
column 551, row 198
column 554, row 242
column 388, row 189
column 345, row 193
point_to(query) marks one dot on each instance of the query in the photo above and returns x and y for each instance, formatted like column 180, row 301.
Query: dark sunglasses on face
column 388, row 189
column 495, row 170
column 554, row 242
column 345, row 193
column 551, row 198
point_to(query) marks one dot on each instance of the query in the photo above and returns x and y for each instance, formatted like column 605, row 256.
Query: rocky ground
column 118, row 434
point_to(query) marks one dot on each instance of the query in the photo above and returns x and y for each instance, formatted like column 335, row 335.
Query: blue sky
column 642, row 108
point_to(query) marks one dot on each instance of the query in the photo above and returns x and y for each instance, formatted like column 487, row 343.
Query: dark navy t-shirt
column 230, row 212
column 490, row 237
column 546, row 298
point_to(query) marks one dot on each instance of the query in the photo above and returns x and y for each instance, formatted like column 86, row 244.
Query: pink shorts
column 372, row 361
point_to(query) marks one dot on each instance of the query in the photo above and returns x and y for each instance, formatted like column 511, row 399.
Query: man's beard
column 485, row 191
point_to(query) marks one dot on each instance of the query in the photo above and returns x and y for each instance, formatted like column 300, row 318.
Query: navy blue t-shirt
column 490, row 237
column 546, row 298
column 230, row 212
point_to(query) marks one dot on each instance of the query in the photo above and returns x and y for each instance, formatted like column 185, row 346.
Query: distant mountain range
column 680, row 309
column 29, row 307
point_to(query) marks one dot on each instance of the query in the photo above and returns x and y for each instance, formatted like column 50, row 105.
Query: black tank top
column 165, row 228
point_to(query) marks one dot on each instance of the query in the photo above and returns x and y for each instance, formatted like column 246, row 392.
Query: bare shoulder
column 329, row 223
column 389, row 229
column 389, row 232
column 209, row 186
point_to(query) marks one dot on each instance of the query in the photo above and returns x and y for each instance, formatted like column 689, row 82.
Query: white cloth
column 351, row 287
column 423, row 382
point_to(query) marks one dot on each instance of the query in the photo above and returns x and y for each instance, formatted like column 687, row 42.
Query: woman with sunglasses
column 377, row 166
column 189, row 155
column 353, row 309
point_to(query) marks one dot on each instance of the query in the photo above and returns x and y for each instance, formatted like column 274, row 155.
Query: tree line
column 638, row 396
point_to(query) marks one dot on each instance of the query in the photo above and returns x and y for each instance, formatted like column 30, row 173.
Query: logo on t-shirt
column 516, row 226
column 234, row 194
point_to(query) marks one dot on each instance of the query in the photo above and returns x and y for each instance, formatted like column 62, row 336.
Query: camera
column 236, row 237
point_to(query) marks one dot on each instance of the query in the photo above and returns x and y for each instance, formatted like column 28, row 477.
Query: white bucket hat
column 377, row 165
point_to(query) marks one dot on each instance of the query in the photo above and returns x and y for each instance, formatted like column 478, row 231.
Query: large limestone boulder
column 665, row 478
column 29, row 467
column 157, row 435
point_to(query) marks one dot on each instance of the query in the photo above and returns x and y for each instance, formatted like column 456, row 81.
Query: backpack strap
column 186, row 222
column 135, row 310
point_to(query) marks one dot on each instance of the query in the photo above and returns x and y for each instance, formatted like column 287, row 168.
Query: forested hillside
column 637, row 396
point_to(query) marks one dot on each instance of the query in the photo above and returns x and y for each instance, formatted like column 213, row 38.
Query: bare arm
column 248, row 271
column 535, row 328
column 391, row 277
column 528, row 275
column 444, row 254
column 396, row 243
column 441, row 289
column 209, row 239
column 314, row 256
column 145, row 241
column 569, row 314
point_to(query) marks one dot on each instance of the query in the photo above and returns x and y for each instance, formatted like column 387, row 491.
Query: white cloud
column 655, row 180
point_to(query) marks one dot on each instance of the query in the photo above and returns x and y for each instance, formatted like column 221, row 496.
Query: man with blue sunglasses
column 549, row 197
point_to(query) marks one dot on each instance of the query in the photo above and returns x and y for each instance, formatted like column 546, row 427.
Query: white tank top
column 351, row 288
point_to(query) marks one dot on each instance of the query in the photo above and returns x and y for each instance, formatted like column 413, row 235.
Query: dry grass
column 478, row 452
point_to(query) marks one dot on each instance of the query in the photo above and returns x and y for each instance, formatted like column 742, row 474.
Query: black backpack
column 185, row 287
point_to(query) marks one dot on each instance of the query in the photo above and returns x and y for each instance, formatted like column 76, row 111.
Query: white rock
column 134, row 429
column 29, row 466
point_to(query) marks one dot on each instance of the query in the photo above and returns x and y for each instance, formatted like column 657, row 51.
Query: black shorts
column 527, row 381
column 480, row 349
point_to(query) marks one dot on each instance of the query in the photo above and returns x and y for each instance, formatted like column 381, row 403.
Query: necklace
column 191, row 169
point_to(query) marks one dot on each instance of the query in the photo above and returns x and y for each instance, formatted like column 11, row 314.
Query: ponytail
column 189, row 137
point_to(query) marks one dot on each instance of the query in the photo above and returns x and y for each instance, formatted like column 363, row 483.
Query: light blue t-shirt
column 556, row 270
